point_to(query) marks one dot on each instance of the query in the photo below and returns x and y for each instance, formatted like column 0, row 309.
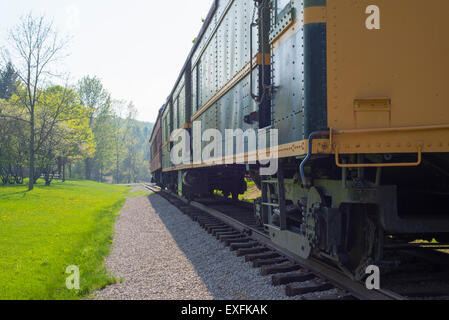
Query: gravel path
column 160, row 254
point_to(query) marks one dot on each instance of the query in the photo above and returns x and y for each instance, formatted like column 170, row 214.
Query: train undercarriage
column 343, row 216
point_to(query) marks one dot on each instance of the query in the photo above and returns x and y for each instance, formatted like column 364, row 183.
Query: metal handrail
column 380, row 165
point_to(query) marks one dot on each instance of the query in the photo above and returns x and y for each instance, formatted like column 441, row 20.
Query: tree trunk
column 59, row 160
column 63, row 171
column 117, row 170
column 88, row 169
column 70, row 170
column 31, row 182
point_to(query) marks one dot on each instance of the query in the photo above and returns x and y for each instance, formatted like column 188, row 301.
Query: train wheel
column 363, row 242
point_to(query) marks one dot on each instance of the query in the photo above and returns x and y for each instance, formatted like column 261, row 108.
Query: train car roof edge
column 159, row 115
column 206, row 23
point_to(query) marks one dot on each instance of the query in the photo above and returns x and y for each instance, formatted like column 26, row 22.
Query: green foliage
column 8, row 82
column 13, row 141
column 38, row 241
column 252, row 193
column 80, row 126
column 61, row 130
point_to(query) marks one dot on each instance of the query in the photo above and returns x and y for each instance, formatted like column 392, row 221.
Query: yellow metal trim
column 294, row 149
column 415, row 128
column 185, row 126
column 432, row 138
column 290, row 30
column 310, row 15
column 315, row 15
column 267, row 60
column 379, row 165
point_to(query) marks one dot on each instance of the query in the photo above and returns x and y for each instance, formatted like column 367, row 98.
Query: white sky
column 136, row 47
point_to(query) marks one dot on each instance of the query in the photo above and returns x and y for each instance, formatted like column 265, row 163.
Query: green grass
column 44, row 231
column 251, row 194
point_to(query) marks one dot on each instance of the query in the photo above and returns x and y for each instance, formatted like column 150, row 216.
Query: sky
column 136, row 47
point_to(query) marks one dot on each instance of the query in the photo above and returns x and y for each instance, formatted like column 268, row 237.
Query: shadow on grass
column 8, row 195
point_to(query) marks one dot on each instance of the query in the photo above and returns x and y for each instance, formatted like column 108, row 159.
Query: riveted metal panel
column 288, row 74
column 194, row 91
column 406, row 60
column 166, row 122
column 164, row 129
column 219, row 66
column 180, row 105
column 288, row 96
column 225, row 51
column 175, row 114
column 234, row 106
column 166, row 161
column 182, row 108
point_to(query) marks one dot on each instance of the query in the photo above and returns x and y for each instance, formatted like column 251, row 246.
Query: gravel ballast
column 161, row 254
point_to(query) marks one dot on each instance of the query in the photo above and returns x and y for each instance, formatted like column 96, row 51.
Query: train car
column 156, row 149
column 358, row 94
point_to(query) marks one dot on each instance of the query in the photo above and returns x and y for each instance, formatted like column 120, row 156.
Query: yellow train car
column 376, row 107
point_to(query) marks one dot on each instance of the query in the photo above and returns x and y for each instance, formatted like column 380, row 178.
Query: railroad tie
column 221, row 230
column 239, row 239
column 203, row 222
column 268, row 262
column 293, row 290
column 210, row 227
column 280, row 268
column 245, row 252
column 243, row 245
column 229, row 235
column 292, row 277
column 268, row 255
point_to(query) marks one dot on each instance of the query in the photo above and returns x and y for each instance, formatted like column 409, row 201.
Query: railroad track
column 236, row 227
column 412, row 271
column 420, row 271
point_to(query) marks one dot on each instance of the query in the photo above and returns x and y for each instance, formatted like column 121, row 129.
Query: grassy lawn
column 44, row 231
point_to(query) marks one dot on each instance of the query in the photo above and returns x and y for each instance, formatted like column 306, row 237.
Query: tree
column 8, row 82
column 132, row 148
column 97, row 102
column 103, row 131
column 61, row 130
column 34, row 47
column 13, row 136
column 119, row 136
